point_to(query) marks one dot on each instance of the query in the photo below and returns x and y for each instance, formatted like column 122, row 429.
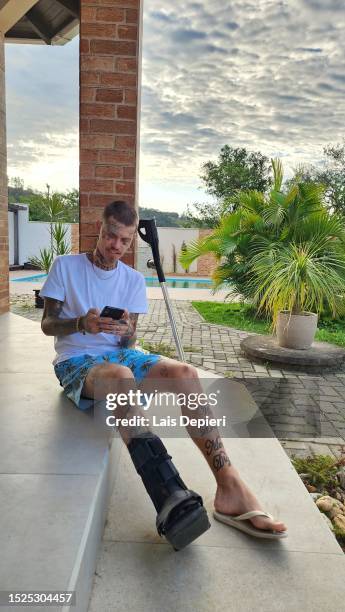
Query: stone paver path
column 306, row 409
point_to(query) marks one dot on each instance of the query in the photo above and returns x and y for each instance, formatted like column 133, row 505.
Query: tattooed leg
column 206, row 438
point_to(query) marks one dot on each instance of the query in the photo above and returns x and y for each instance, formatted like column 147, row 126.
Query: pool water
column 151, row 281
column 180, row 283
column 30, row 279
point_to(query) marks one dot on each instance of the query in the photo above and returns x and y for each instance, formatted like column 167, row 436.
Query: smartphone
column 114, row 313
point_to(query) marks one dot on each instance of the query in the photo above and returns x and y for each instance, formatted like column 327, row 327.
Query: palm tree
column 280, row 251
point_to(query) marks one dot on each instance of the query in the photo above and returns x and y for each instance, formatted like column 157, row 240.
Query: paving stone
column 341, row 431
column 294, row 435
column 287, row 419
column 339, row 405
column 328, row 429
column 208, row 364
column 294, row 445
column 296, row 452
column 259, row 368
column 328, row 407
column 327, row 398
column 319, row 449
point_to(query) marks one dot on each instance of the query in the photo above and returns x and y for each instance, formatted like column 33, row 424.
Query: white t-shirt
column 80, row 285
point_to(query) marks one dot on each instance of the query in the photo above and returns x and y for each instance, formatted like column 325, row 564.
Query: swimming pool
column 151, row 281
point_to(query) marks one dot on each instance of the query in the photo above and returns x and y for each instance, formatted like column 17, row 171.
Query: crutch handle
column 151, row 237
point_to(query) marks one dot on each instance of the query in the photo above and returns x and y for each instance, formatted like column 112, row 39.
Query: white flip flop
column 241, row 522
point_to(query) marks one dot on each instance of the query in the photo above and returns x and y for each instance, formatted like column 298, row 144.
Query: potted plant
column 297, row 282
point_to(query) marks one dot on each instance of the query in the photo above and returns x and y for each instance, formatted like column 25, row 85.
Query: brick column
column 4, row 284
column 110, row 40
column 75, row 238
column 207, row 263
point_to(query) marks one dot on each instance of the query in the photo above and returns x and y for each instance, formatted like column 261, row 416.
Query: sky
column 268, row 75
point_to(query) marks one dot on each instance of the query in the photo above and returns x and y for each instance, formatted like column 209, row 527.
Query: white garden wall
column 169, row 237
column 32, row 236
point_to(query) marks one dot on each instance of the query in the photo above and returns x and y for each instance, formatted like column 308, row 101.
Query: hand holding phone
column 112, row 312
column 114, row 321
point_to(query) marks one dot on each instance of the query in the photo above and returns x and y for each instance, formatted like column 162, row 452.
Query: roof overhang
column 16, row 207
column 50, row 22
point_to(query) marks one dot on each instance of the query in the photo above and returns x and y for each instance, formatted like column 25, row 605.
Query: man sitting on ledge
column 94, row 350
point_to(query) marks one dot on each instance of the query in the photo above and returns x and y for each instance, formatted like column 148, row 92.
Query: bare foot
column 235, row 498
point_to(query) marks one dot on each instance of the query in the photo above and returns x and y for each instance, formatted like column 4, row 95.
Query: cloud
column 309, row 49
column 231, row 25
column 269, row 77
column 161, row 16
column 188, row 35
column 324, row 5
column 264, row 74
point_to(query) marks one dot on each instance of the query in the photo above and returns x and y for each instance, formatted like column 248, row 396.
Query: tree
column 236, row 170
column 16, row 182
column 71, row 205
column 331, row 175
column 68, row 203
column 202, row 214
column 16, row 190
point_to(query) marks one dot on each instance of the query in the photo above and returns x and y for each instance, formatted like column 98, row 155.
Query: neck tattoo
column 97, row 259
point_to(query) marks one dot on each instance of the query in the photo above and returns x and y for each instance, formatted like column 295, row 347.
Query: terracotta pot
column 296, row 331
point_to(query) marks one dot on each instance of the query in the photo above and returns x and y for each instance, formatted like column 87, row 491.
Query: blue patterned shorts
column 72, row 372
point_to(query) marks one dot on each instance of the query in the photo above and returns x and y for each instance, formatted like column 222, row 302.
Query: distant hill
column 163, row 218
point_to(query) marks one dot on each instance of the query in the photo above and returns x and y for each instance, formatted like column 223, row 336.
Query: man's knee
column 105, row 373
column 102, row 377
column 113, row 370
column 176, row 369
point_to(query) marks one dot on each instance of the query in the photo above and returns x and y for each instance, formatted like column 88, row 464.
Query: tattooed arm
column 130, row 337
column 52, row 324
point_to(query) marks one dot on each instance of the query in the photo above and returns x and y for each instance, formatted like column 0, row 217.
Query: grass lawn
column 242, row 316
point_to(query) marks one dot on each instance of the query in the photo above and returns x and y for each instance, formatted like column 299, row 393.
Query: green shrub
column 321, row 469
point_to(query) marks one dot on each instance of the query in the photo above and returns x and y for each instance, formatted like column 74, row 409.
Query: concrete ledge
column 266, row 348
column 57, row 473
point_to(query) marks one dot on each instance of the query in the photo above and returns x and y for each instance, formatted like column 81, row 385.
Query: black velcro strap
column 140, row 455
column 176, row 499
column 166, row 470
column 145, row 449
column 156, row 445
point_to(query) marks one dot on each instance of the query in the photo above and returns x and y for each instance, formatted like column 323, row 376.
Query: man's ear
column 98, row 225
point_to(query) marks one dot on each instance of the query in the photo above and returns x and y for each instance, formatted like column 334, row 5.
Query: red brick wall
column 206, row 263
column 4, row 284
column 110, row 35
column 74, row 238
